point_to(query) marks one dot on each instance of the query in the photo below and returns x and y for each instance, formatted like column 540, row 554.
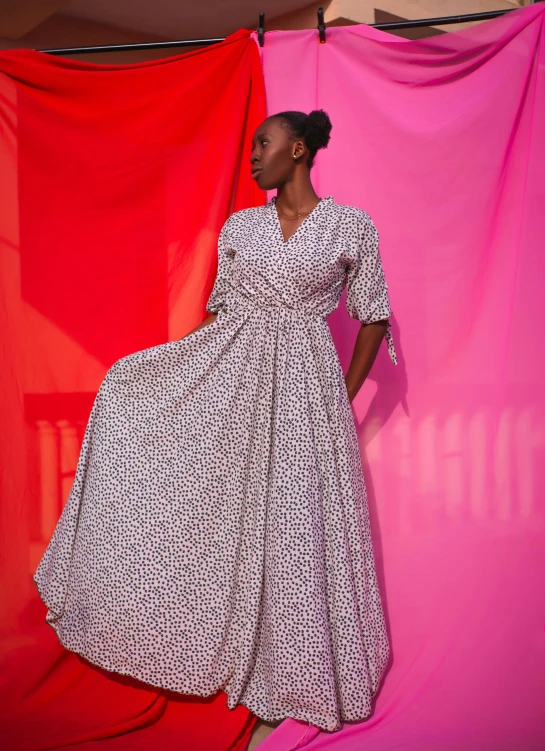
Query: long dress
column 217, row 533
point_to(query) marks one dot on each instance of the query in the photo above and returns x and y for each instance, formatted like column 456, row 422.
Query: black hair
column 313, row 128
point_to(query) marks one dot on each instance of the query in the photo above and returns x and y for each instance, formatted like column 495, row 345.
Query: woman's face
column 272, row 161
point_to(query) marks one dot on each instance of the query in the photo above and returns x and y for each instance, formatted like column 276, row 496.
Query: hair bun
column 314, row 128
column 317, row 129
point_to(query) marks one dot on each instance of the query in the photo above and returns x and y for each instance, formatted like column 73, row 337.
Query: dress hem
column 258, row 714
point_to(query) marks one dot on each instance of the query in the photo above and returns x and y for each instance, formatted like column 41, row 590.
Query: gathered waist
column 272, row 307
column 287, row 311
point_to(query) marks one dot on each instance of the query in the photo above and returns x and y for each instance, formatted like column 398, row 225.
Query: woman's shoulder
column 354, row 212
column 250, row 213
column 245, row 218
column 241, row 219
column 356, row 219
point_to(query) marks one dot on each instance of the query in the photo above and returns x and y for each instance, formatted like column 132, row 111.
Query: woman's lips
column 255, row 172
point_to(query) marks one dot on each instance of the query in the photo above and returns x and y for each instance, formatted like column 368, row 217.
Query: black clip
column 261, row 29
column 321, row 25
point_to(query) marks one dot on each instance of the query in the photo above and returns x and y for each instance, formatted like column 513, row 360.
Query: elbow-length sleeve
column 219, row 297
column 367, row 296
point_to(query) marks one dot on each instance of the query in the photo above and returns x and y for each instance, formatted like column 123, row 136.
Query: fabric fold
column 107, row 248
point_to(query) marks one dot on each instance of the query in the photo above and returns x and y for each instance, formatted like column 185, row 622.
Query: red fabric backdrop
column 116, row 180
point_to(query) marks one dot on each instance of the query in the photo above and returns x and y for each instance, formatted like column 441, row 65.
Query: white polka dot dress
column 217, row 534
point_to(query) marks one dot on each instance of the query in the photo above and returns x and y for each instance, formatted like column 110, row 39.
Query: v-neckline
column 279, row 226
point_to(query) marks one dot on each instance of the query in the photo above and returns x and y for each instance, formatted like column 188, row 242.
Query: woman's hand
column 206, row 322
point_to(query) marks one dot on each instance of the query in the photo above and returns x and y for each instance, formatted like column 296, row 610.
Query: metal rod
column 261, row 30
column 470, row 17
column 321, row 25
column 136, row 46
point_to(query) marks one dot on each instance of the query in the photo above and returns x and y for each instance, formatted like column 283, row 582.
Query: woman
column 217, row 534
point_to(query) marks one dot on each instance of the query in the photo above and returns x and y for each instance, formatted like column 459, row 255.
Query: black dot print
column 217, row 533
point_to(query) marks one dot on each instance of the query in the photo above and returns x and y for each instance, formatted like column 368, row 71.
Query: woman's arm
column 367, row 345
column 204, row 323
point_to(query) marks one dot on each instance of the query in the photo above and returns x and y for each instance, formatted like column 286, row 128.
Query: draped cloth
column 442, row 141
column 116, row 180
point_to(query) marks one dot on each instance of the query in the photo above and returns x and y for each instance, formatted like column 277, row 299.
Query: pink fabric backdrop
column 442, row 141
